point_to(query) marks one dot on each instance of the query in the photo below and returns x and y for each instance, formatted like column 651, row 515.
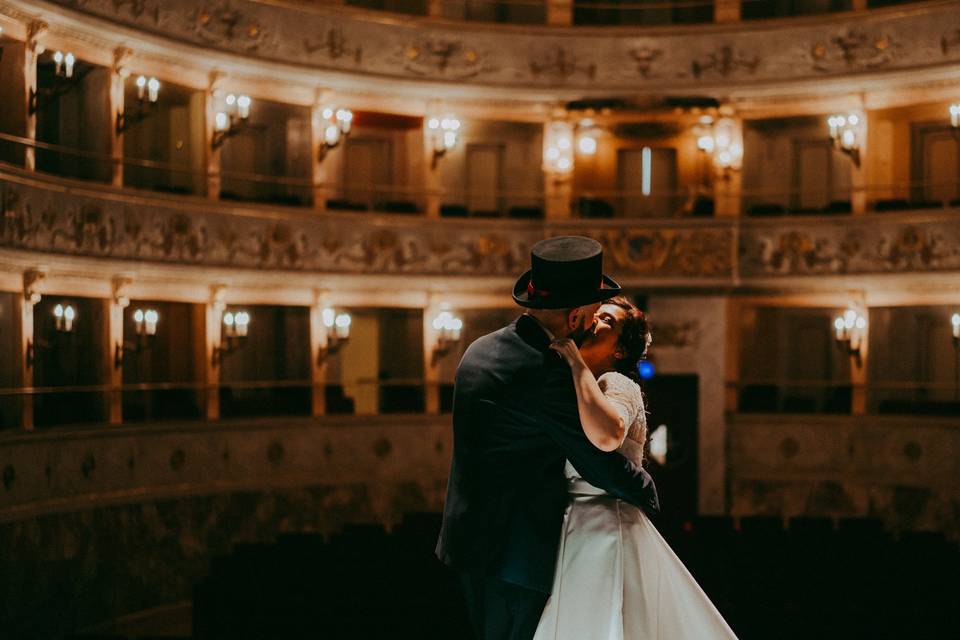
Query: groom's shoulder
column 502, row 346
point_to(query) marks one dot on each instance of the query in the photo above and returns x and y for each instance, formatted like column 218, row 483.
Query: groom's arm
column 611, row 471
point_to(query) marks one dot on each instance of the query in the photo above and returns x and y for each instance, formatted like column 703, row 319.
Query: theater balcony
column 244, row 244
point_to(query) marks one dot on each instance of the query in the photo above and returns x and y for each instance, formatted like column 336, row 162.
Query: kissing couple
column 546, row 515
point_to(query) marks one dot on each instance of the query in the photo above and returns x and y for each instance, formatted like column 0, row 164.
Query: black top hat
column 566, row 272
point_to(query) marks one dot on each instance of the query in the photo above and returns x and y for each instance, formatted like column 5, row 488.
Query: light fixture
column 63, row 63
column 64, row 81
column 337, row 326
column 145, row 328
column 849, row 330
column 233, row 334
column 728, row 145
column 955, row 326
column 336, row 123
column 63, row 317
column 955, row 115
column 232, row 119
column 443, row 133
column 722, row 140
column 587, row 134
column 846, row 132
column 558, row 149
column 148, row 92
column 449, row 329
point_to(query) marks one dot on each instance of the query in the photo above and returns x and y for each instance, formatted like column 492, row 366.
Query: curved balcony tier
column 47, row 218
column 351, row 48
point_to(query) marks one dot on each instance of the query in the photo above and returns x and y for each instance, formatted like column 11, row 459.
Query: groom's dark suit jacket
column 515, row 422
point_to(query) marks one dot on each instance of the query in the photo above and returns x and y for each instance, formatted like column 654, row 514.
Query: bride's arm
column 601, row 421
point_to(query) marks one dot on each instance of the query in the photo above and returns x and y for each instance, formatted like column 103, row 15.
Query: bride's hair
column 634, row 338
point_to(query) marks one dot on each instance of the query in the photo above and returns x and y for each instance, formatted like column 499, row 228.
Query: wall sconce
column 231, row 121
column 65, row 80
column 727, row 146
column 955, row 115
column 955, row 325
column 558, row 149
column 337, row 326
column 846, row 132
column 723, row 140
column 587, row 135
column 444, row 133
column 148, row 91
column 848, row 333
column 336, row 126
column 63, row 317
column 234, row 333
column 145, row 327
column 449, row 328
column 63, row 63
column 63, row 320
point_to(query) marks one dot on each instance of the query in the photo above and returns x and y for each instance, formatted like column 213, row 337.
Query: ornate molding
column 866, row 244
column 332, row 39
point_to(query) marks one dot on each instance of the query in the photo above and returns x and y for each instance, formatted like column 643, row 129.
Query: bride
column 616, row 577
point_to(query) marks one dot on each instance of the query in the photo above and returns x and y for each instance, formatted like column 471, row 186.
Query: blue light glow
column 645, row 369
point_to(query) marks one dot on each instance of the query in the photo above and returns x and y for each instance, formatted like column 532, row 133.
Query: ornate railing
column 66, row 217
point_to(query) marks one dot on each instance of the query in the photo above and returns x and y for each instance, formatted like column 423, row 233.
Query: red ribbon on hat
column 533, row 292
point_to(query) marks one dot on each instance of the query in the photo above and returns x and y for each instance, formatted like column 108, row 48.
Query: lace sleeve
column 626, row 396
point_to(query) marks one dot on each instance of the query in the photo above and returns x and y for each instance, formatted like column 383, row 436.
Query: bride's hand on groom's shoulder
column 568, row 350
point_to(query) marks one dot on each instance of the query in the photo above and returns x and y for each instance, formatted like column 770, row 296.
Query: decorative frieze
column 326, row 37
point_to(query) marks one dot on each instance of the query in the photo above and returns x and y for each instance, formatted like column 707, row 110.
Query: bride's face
column 600, row 347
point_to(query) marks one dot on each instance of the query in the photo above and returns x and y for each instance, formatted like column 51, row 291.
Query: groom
column 515, row 422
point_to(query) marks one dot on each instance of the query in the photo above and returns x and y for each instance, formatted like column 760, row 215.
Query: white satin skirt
column 617, row 579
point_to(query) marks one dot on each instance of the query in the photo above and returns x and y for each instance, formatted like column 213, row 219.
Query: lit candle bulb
column 141, row 86
column 58, row 61
column 955, row 321
column 138, row 321
column 343, row 326
column 153, row 89
column 838, row 327
column 221, row 121
column 68, row 315
column 243, row 107
column 151, row 318
column 242, row 321
column 229, row 329
column 68, row 61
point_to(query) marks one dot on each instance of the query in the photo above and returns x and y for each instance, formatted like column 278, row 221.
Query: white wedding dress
column 616, row 578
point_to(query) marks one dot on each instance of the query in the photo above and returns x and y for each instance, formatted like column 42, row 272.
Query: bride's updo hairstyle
column 634, row 338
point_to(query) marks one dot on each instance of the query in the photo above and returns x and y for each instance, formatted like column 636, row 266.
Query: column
column 27, row 351
column 34, row 29
column 208, row 323
column 113, row 369
column 23, row 366
column 727, row 189
column 858, row 173
column 212, row 165
column 559, row 13
column 727, row 11
column 558, row 193
column 858, row 364
column 431, row 368
column 115, row 106
column 318, row 364
column 321, row 173
column 435, row 8
column 859, row 5
column 431, row 174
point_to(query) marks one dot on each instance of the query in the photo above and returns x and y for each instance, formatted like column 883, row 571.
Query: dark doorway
column 672, row 401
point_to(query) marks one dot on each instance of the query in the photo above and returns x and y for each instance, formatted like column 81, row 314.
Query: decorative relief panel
column 869, row 244
column 334, row 39
column 55, row 221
